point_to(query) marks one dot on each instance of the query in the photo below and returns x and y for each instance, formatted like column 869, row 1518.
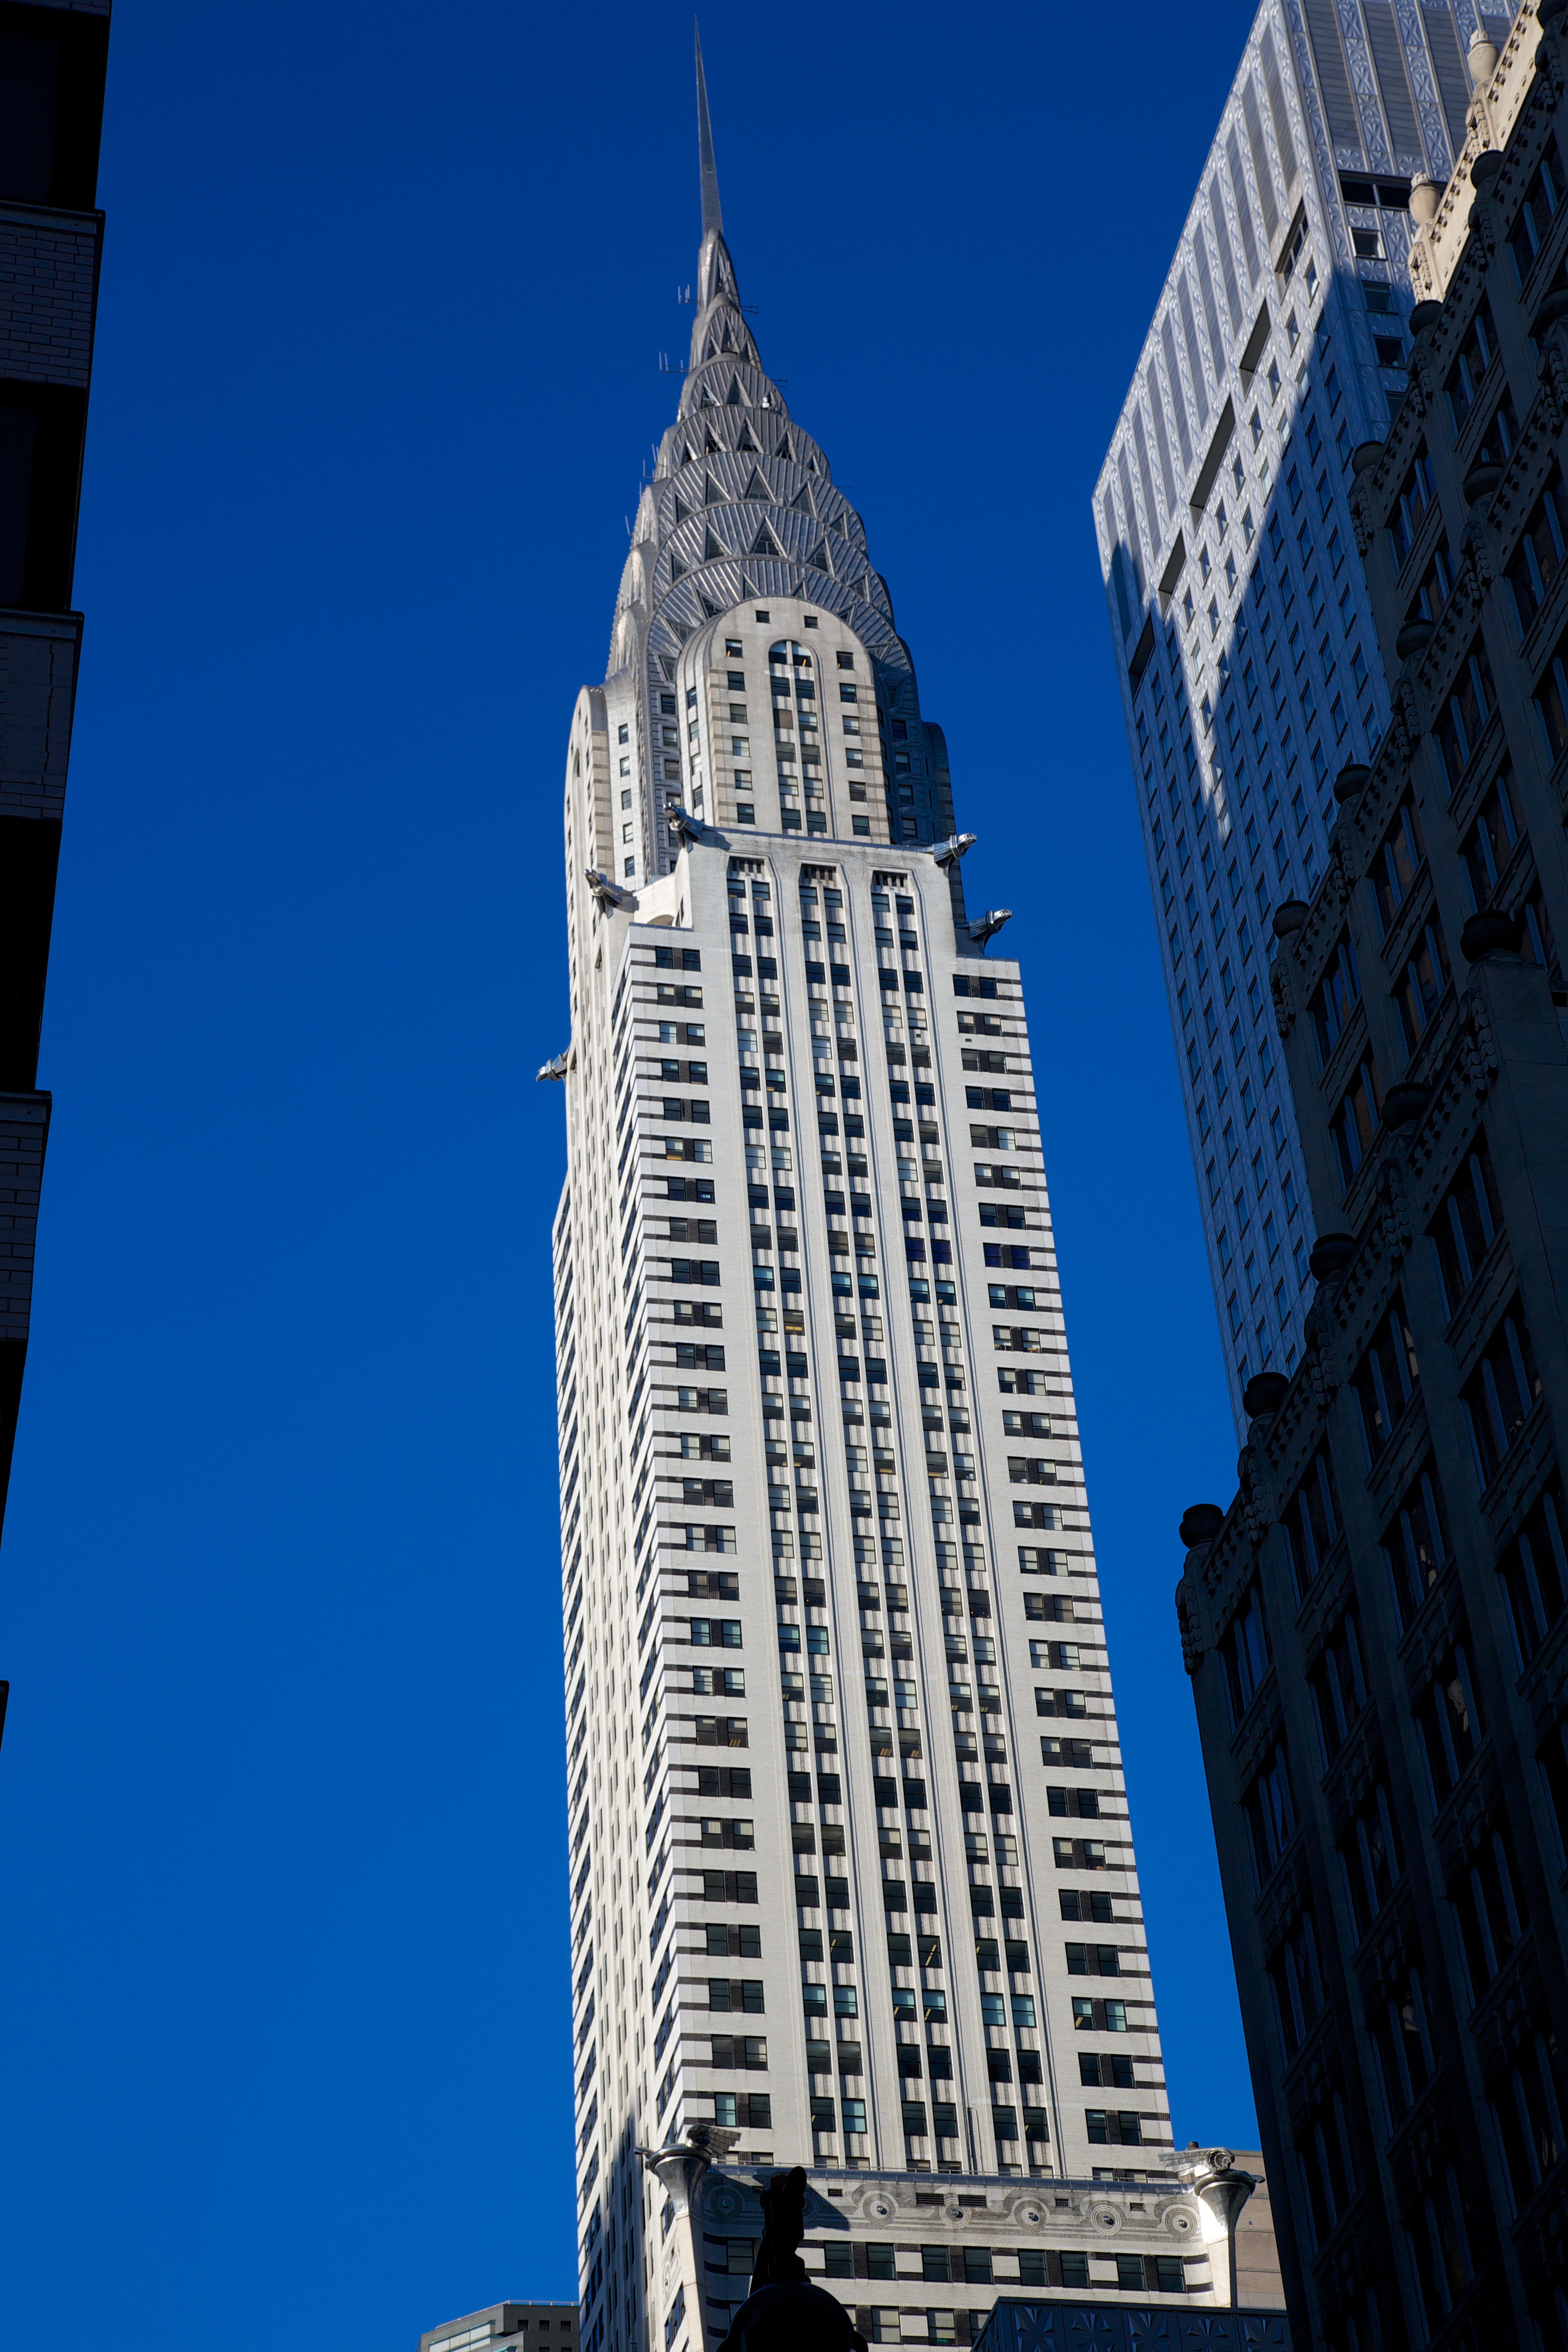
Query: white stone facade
column 852, row 1878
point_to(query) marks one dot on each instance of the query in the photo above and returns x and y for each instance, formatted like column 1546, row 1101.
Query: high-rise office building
column 1377, row 1627
column 852, row 1880
column 507, row 2327
column 1244, row 645
column 52, row 64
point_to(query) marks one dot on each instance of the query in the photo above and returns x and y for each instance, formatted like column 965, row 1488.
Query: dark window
column 1416, row 1543
column 1501, row 1391
column 1439, row 2241
column 1528, row 2102
column 1335, row 995
column 1399, row 853
column 40, row 457
column 1297, row 1983
column 1534, row 1570
column 1416, row 495
column 1270, row 1814
column 1355, row 1121
column 51, row 104
column 1311, row 1521
column 1489, row 1909
column 1497, row 444
column 1338, row 1685
column 1551, row 699
column 1387, row 1379
column 1422, row 984
column 1371, row 1858
column 1477, row 353
column 1538, row 558
column 1467, row 1222
column 1244, row 1651
column 1324, row 2152
column 1404, row 2045
column 1536, row 212
column 1449, row 1722
column 1490, row 843
column 1465, row 715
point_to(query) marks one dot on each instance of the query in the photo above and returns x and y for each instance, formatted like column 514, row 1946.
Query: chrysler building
column 851, row 1874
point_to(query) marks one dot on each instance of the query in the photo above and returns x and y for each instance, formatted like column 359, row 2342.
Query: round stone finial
column 1481, row 481
column 1290, row 915
column 1352, row 781
column 1482, row 59
column 1553, row 310
column 1329, row 1254
column 1364, row 455
column 1491, row 931
column 1403, row 1103
column 1201, row 1522
column 1264, row 1394
column 1413, row 639
column 1485, row 169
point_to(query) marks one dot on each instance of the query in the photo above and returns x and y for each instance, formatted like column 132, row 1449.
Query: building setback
column 1376, row 1627
column 1245, row 650
column 852, row 1878
column 52, row 66
column 507, row 2327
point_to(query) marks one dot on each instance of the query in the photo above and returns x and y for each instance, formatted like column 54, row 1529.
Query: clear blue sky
column 284, row 1983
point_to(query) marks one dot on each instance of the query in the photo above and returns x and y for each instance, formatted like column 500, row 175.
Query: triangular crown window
column 734, row 397
column 714, row 548
column 757, row 489
column 746, row 442
column 765, row 544
column 820, row 560
column 802, row 505
column 713, row 496
column 785, row 451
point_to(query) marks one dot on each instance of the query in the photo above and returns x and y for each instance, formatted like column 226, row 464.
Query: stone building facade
column 852, row 1877
column 1376, row 1628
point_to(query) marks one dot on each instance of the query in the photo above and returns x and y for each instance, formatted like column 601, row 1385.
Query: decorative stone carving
column 1186, row 1625
column 1321, row 1376
column 1555, row 379
column 1484, row 227
column 1480, row 1046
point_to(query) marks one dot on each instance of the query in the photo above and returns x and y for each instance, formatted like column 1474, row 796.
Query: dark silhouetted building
column 52, row 61
column 1377, row 1627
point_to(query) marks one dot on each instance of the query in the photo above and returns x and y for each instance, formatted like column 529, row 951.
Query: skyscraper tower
column 1243, row 630
column 852, row 1881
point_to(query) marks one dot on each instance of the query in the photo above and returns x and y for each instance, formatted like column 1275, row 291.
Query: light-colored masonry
column 852, row 1879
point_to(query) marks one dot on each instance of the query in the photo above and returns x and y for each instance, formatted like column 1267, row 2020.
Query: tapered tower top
column 712, row 212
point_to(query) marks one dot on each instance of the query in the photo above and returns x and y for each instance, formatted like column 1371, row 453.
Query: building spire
column 712, row 216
